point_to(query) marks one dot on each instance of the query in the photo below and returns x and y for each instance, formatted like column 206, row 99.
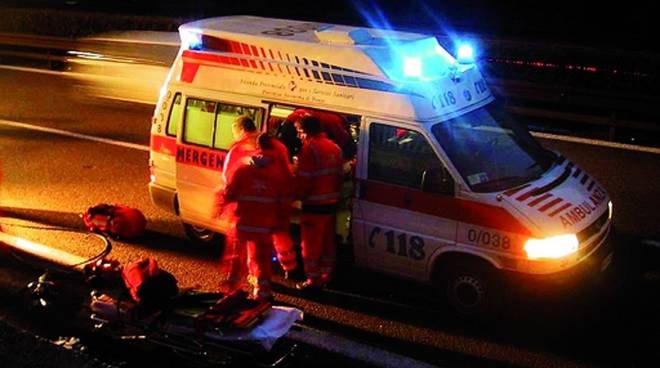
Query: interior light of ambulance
column 191, row 40
column 465, row 54
column 412, row 67
column 552, row 247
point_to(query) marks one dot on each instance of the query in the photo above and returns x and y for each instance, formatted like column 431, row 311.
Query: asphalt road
column 48, row 180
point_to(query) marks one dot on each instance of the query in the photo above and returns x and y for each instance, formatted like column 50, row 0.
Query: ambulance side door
column 403, row 209
column 206, row 135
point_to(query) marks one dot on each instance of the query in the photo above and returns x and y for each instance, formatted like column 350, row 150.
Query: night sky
column 624, row 25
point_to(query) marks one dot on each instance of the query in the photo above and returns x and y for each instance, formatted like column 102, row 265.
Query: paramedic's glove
column 347, row 168
column 294, row 165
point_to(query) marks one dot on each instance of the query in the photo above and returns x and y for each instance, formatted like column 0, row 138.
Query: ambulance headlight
column 552, row 247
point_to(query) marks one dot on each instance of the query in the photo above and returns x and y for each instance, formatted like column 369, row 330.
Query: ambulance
column 447, row 188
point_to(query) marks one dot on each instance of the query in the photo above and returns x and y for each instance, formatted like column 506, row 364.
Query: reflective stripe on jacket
column 319, row 172
column 258, row 192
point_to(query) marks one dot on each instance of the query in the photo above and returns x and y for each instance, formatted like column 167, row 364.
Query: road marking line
column 65, row 133
column 41, row 71
column 353, row 349
column 651, row 242
column 596, row 142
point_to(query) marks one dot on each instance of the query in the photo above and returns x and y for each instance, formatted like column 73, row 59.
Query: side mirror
column 437, row 181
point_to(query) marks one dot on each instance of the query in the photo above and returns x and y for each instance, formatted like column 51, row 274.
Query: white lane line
column 65, row 133
column 651, row 242
column 40, row 71
column 596, row 142
column 353, row 349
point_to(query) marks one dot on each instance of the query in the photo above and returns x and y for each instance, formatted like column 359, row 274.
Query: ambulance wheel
column 471, row 288
column 202, row 236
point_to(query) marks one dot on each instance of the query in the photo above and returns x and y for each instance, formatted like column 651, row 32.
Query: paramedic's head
column 309, row 126
column 264, row 142
column 242, row 126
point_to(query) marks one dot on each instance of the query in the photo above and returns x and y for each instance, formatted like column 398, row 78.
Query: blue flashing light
column 191, row 40
column 412, row 67
column 465, row 54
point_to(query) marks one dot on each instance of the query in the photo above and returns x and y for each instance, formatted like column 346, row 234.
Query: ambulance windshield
column 491, row 150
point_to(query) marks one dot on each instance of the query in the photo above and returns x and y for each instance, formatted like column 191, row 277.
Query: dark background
column 622, row 25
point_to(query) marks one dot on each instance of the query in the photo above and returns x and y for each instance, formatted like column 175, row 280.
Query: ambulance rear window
column 174, row 119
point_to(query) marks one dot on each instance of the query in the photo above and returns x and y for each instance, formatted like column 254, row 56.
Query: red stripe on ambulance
column 163, row 144
column 550, row 204
column 527, row 194
column 513, row 191
column 539, row 199
column 555, row 212
column 188, row 72
column 188, row 154
column 462, row 210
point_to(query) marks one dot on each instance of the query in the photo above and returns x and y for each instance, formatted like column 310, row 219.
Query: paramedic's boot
column 327, row 278
column 309, row 285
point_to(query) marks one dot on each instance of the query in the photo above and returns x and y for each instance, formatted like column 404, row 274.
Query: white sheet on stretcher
column 275, row 324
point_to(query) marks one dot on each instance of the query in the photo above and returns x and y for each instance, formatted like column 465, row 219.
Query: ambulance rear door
column 206, row 135
column 403, row 206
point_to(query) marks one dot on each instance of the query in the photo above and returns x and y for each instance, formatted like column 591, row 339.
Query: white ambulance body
column 446, row 183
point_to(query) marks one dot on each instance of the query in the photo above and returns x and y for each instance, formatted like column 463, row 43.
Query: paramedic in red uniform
column 235, row 259
column 286, row 254
column 332, row 124
column 245, row 133
column 318, row 183
column 257, row 188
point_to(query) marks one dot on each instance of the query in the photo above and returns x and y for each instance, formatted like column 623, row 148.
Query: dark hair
column 264, row 141
column 311, row 125
column 246, row 123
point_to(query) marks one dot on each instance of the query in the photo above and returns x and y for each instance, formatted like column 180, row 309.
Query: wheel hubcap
column 468, row 291
column 202, row 233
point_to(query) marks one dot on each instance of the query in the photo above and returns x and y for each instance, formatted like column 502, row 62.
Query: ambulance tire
column 471, row 288
column 202, row 236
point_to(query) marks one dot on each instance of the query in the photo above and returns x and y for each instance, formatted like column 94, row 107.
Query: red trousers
column 248, row 254
column 286, row 254
column 318, row 246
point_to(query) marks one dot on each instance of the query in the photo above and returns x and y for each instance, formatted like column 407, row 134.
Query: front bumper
column 589, row 272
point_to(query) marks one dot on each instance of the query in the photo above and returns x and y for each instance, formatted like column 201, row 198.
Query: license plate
column 606, row 262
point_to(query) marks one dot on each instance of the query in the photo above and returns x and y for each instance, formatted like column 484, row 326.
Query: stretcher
column 185, row 328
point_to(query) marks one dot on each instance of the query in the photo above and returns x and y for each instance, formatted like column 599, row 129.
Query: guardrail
column 547, row 105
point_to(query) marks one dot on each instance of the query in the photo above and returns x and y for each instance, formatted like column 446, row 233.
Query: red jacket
column 239, row 153
column 257, row 189
column 332, row 124
column 319, row 175
column 281, row 156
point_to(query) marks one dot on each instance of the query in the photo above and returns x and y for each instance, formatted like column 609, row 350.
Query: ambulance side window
column 198, row 125
column 208, row 123
column 227, row 114
column 174, row 119
column 404, row 157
